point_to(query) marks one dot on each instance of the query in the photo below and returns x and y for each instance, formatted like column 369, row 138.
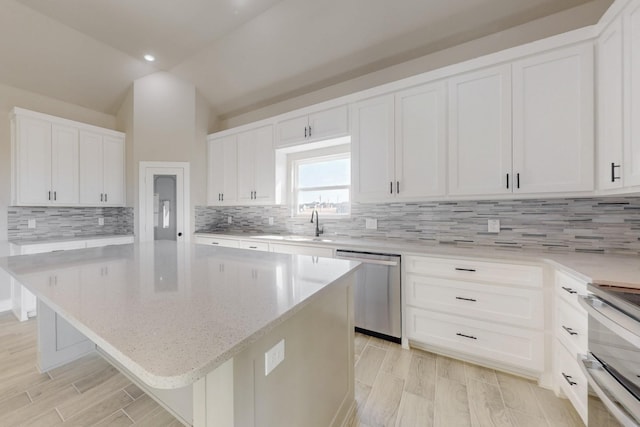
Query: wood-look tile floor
column 397, row 387
column 394, row 387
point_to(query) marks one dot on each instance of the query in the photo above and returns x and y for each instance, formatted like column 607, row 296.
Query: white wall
column 167, row 120
column 577, row 17
column 12, row 97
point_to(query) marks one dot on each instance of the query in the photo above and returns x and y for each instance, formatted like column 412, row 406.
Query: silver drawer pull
column 571, row 291
column 253, row 247
column 570, row 331
column 471, row 270
column 568, row 379
column 466, row 336
column 466, row 299
column 215, row 243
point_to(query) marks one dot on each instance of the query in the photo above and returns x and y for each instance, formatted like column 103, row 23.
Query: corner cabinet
column 553, row 116
column 58, row 162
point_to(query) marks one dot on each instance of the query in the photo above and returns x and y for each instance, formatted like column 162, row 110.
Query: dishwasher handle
column 368, row 260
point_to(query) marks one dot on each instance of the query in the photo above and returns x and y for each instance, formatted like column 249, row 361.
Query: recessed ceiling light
column 149, row 58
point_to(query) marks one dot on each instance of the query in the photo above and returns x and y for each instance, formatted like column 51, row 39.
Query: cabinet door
column 631, row 28
column 64, row 165
column 480, row 132
column 332, row 123
column 292, row 131
column 91, row 165
column 222, row 171
column 246, row 166
column 420, row 145
column 372, row 149
column 113, row 166
column 553, row 121
column 33, row 151
column 610, row 111
column 265, row 166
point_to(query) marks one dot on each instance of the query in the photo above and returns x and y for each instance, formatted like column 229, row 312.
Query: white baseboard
column 5, row 305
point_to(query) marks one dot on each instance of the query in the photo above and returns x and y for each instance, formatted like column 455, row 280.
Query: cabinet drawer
column 110, row 241
column 570, row 288
column 254, row 246
column 301, row 250
column 571, row 327
column 471, row 270
column 227, row 243
column 505, row 344
column 571, row 380
column 51, row 247
column 513, row 305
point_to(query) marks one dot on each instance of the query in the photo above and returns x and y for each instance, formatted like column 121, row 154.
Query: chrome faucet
column 319, row 230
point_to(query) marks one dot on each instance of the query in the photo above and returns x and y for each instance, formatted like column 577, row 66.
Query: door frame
column 181, row 170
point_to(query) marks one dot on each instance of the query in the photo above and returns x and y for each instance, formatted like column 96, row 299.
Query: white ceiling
column 238, row 53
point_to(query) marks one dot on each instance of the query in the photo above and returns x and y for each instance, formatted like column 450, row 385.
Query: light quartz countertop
column 23, row 242
column 171, row 313
column 616, row 270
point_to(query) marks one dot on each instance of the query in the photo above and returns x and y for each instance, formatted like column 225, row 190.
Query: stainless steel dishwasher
column 378, row 307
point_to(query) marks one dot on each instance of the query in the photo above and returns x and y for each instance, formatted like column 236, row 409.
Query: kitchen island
column 202, row 329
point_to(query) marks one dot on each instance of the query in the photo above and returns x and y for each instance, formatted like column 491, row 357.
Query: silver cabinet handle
column 470, row 270
column 466, row 299
column 571, row 291
column 105, row 196
column 101, row 197
column 253, row 247
column 305, row 131
column 49, row 195
column 309, row 131
column 570, row 331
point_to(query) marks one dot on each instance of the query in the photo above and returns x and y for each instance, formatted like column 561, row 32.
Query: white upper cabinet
column 317, row 126
column 372, row 149
column 421, row 142
column 398, row 145
column 553, row 121
column 480, row 132
column 102, row 169
column 223, row 159
column 46, row 163
column 631, row 31
column 610, row 107
column 61, row 162
column 256, row 166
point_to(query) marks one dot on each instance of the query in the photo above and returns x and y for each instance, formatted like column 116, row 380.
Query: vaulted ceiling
column 238, row 53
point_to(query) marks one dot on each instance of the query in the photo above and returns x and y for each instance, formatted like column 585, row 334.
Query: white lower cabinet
column 571, row 341
column 217, row 241
column 486, row 312
column 254, row 246
column 513, row 346
column 23, row 302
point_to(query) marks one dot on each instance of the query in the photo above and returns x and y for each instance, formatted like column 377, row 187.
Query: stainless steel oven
column 612, row 366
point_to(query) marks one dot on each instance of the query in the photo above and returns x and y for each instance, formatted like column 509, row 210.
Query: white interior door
column 149, row 204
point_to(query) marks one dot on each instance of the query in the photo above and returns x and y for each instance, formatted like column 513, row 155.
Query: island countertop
column 171, row 313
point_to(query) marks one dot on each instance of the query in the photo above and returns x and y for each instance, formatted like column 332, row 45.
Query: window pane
column 325, row 201
column 326, row 173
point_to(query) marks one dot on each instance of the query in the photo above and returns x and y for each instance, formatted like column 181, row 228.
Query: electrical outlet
column 273, row 357
column 31, row 223
column 100, row 221
column 371, row 224
column 493, row 226
column 230, row 220
column 270, row 220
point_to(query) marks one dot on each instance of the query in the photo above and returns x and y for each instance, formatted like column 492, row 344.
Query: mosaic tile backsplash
column 54, row 222
column 601, row 225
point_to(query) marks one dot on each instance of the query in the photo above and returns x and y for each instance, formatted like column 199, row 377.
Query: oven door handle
column 610, row 391
column 613, row 319
column 369, row 261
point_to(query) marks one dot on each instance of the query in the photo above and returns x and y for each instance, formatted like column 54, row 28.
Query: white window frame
column 314, row 156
